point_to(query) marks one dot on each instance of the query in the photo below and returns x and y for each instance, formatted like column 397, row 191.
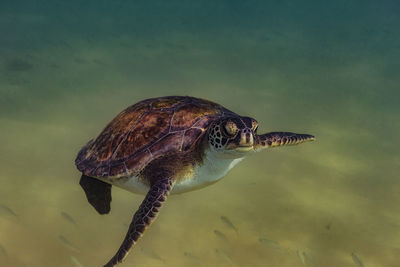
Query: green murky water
column 328, row 69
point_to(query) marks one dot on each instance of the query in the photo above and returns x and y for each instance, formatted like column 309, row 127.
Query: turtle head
column 239, row 136
column 235, row 134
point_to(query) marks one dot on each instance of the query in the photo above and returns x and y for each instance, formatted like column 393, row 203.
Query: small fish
column 65, row 44
column 229, row 223
column 3, row 250
column 328, row 226
column 68, row 218
column 301, row 257
column 75, row 261
column 220, row 235
column 223, row 254
column 309, row 258
column 269, row 242
column 80, row 61
column 68, row 244
column 98, row 62
column 357, row 260
column 4, row 210
column 190, row 255
column 150, row 253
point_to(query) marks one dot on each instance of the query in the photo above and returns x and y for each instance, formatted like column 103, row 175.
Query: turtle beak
column 246, row 141
column 274, row 139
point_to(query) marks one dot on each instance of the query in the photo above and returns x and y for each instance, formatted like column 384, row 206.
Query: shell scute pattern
column 104, row 145
column 171, row 142
column 185, row 116
column 163, row 103
column 152, row 125
column 191, row 138
column 145, row 131
column 134, row 164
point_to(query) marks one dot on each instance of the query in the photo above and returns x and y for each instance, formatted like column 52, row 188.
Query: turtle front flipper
column 143, row 217
column 280, row 139
column 98, row 193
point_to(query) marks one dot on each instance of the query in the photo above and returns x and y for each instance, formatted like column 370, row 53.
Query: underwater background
column 327, row 68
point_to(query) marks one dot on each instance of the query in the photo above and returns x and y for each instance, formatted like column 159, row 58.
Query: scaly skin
column 274, row 139
column 143, row 217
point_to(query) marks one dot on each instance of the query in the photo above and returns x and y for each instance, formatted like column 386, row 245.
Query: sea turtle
column 166, row 145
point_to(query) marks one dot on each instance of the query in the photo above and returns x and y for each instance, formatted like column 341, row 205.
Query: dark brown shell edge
column 146, row 131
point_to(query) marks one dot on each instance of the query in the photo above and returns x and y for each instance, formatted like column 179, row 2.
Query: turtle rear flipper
column 143, row 217
column 98, row 193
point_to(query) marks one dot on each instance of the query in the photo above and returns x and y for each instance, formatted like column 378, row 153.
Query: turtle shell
column 145, row 131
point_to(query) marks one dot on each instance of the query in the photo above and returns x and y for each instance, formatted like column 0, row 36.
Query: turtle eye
column 231, row 128
column 254, row 125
